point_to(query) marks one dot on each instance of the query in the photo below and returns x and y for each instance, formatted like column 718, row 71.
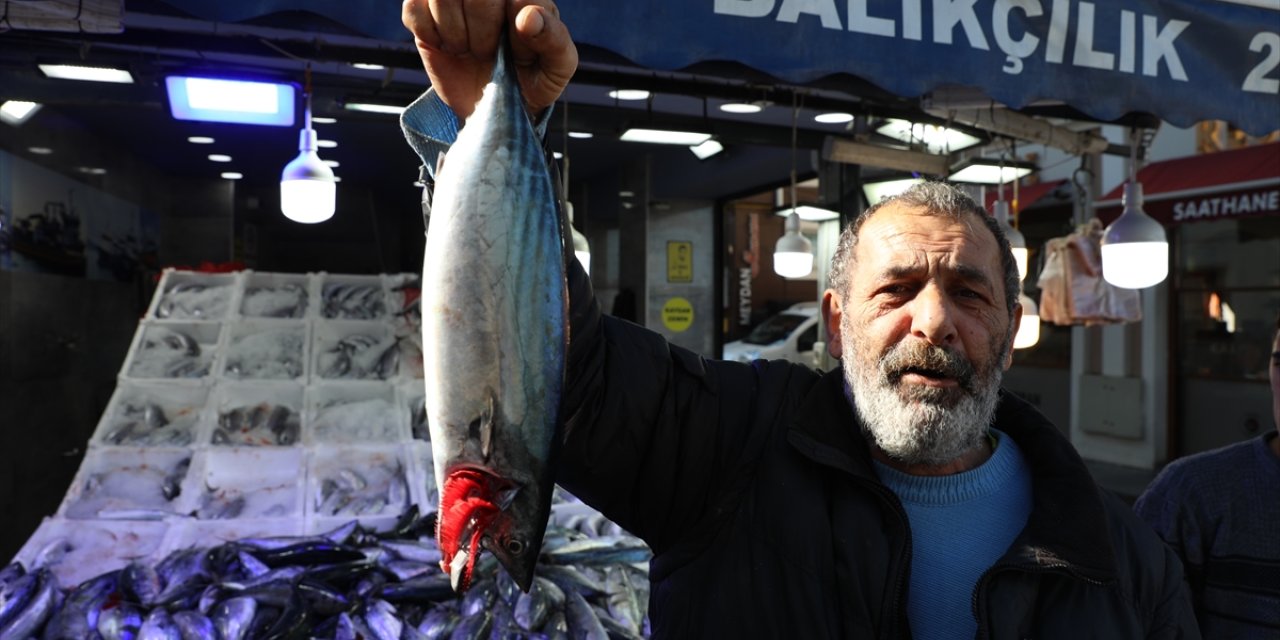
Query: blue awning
column 1181, row 60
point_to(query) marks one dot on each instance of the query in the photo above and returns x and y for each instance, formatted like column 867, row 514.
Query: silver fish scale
column 494, row 300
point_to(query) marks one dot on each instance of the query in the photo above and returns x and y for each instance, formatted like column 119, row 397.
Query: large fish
column 495, row 332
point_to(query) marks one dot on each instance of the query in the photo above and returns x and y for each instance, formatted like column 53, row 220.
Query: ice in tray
column 79, row 550
column 152, row 415
column 270, row 295
column 413, row 398
column 353, row 298
column 128, row 484
column 174, row 350
column 357, row 482
column 195, row 296
column 257, row 415
column 266, row 351
column 248, row 483
column 355, row 413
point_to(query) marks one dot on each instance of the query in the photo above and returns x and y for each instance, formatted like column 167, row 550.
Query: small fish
column 473, row 627
column 494, row 336
column 38, row 603
column 233, row 616
column 583, row 621
column 120, row 622
column 159, row 626
column 195, row 626
column 380, row 617
column 439, row 622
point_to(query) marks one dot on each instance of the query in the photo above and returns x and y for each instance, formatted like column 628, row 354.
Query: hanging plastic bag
column 1054, row 300
column 1077, row 292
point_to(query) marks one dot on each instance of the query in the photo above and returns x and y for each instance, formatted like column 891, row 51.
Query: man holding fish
column 902, row 495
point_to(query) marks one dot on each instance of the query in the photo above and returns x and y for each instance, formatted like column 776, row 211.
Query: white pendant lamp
column 793, row 255
column 1029, row 331
column 1135, row 251
column 1017, row 241
column 308, row 190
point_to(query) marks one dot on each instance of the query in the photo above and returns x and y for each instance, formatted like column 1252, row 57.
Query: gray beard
column 923, row 425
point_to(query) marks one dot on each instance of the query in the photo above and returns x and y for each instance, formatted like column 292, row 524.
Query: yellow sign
column 677, row 314
column 679, row 261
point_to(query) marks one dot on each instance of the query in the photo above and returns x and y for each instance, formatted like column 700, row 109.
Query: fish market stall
column 264, row 469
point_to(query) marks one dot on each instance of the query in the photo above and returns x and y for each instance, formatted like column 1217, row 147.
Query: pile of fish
column 146, row 424
column 262, row 424
column 360, row 357
column 170, row 352
column 195, row 301
column 348, row 583
column 352, row 301
column 288, row 300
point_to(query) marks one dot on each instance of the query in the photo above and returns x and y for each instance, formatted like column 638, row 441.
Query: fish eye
column 514, row 546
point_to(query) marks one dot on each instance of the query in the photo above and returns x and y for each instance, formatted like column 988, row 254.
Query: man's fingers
column 451, row 24
column 484, row 27
column 416, row 16
column 543, row 45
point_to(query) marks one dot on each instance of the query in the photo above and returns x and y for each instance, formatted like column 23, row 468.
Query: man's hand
column 458, row 41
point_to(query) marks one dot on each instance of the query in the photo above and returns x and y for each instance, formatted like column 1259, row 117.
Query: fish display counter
column 263, row 470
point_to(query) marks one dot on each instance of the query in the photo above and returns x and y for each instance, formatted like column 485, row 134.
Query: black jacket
column 756, row 492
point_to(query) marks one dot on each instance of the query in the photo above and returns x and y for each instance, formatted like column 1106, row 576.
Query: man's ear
column 831, row 312
column 1013, row 333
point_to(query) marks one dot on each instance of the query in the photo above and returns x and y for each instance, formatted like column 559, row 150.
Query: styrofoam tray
column 353, row 412
column 256, row 414
column 164, row 350
column 276, row 295
column 412, row 398
column 351, row 297
column 152, row 414
column 79, row 550
column 245, row 482
column 352, row 481
column 193, row 295
column 123, row 483
column 265, row 350
column 204, row 534
column 350, row 350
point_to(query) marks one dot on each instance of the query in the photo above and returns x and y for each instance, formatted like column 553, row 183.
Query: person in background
column 903, row 494
column 1220, row 511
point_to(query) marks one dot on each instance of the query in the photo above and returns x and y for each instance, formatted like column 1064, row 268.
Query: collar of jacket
column 1067, row 528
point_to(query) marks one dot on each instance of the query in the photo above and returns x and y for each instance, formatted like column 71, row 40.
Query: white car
column 789, row 335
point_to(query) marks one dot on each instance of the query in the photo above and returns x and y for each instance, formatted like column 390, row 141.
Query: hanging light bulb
column 1135, row 251
column 1029, row 331
column 308, row 190
column 581, row 249
column 793, row 255
column 1017, row 241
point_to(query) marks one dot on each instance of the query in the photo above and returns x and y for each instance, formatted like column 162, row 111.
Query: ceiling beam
column 852, row 152
column 1022, row 127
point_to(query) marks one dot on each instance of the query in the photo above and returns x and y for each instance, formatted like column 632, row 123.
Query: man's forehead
column 897, row 226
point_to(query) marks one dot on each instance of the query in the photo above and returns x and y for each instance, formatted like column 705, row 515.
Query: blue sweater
column 960, row 525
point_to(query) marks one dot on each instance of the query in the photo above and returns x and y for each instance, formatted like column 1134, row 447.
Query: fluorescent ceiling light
column 877, row 191
column 233, row 101
column 367, row 66
column 626, row 194
column 40, row 151
column 581, row 135
column 93, row 171
column 322, row 120
column 810, row 213
column 326, row 144
column 369, row 107
column 200, row 140
column 16, row 112
column 835, row 117
column 232, row 175
column 92, row 74
column 219, row 157
column 742, row 107
column 707, row 149
column 333, row 164
column 936, row 139
column 663, row 136
column 986, row 171
column 629, row 94
column 557, row 155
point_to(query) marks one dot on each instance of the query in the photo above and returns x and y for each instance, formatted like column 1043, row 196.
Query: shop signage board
column 679, row 261
column 1181, row 60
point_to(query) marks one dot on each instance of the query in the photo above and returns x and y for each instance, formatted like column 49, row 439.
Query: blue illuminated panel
column 235, row 101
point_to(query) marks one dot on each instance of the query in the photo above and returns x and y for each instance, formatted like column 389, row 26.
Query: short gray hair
column 936, row 199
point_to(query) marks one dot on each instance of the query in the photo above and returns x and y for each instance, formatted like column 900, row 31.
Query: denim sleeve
column 430, row 126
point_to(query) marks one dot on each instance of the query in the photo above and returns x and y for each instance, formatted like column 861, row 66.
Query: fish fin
column 486, row 428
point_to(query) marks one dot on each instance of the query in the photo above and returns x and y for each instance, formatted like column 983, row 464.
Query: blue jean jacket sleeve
column 430, row 126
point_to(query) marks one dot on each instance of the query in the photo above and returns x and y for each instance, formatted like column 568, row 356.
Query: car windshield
column 774, row 329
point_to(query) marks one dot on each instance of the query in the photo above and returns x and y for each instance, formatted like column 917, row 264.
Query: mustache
column 918, row 357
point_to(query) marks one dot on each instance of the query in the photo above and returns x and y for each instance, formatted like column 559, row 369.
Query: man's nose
column 932, row 317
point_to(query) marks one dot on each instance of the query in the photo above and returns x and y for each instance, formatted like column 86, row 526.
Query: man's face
column 923, row 333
